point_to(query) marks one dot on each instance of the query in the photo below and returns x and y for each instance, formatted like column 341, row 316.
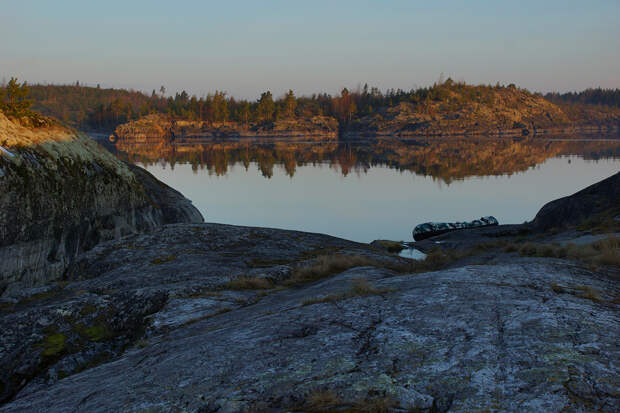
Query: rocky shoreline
column 160, row 128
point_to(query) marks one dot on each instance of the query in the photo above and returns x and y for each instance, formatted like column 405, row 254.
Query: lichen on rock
column 61, row 193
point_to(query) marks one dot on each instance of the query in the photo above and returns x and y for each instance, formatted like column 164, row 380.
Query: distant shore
column 160, row 128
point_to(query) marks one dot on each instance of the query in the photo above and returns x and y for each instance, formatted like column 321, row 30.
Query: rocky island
column 446, row 109
column 116, row 297
column 459, row 109
column 158, row 128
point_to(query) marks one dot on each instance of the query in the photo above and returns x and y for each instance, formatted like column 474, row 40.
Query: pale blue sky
column 245, row 47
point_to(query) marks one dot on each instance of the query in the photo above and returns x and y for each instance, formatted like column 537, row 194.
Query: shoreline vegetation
column 447, row 108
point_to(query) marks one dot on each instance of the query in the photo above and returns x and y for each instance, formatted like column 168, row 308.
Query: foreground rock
column 145, row 284
column 593, row 210
column 598, row 201
column 156, row 321
column 61, row 194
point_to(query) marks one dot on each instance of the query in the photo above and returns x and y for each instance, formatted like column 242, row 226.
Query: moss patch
column 88, row 309
column 54, row 344
column 96, row 333
column 163, row 260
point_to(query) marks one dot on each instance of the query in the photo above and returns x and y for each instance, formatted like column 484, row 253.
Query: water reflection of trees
column 443, row 159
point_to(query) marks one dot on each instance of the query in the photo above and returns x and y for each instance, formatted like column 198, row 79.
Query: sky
column 246, row 47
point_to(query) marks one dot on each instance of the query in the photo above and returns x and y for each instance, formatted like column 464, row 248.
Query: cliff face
column 61, row 193
column 160, row 127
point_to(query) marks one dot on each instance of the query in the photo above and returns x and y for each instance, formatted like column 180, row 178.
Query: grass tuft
column 603, row 222
column 358, row 287
column 325, row 265
column 361, row 286
column 249, row 283
column 326, row 299
column 602, row 252
column 581, row 291
column 389, row 246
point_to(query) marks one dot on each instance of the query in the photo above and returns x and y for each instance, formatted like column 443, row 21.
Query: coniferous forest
column 97, row 108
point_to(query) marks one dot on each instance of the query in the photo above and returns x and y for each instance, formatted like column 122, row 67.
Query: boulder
column 601, row 197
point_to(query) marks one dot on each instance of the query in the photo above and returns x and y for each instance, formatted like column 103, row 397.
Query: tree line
column 597, row 96
column 90, row 107
column 99, row 108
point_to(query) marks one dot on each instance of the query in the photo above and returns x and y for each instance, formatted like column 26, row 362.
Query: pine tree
column 2, row 99
column 244, row 112
column 266, row 107
column 13, row 99
column 220, row 107
column 290, row 104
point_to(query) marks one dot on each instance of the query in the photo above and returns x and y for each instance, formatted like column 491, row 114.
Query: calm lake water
column 370, row 190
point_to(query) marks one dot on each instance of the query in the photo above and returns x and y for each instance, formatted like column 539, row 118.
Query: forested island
column 445, row 108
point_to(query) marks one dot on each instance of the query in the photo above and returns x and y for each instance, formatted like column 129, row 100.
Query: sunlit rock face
column 61, row 193
column 158, row 128
column 458, row 109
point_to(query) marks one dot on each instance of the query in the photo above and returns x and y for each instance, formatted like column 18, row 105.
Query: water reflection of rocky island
column 445, row 159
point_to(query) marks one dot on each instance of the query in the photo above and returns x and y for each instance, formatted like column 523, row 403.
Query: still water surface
column 363, row 191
